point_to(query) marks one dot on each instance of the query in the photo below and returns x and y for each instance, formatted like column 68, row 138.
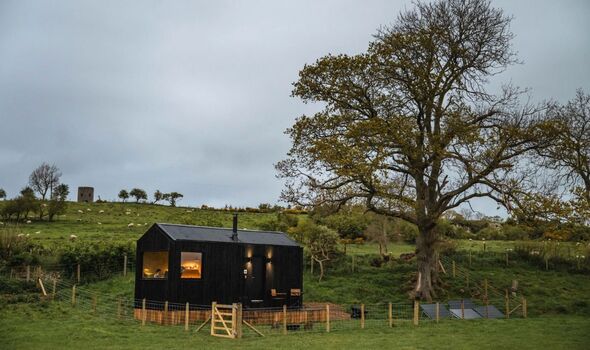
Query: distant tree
column 380, row 231
column 139, row 194
column 282, row 222
column 172, row 197
column 319, row 240
column 158, row 196
column 2, row 193
column 21, row 206
column 58, row 202
column 43, row 179
column 124, row 195
column 264, row 207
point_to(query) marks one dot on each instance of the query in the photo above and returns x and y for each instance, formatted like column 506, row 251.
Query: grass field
column 559, row 300
column 110, row 221
column 58, row 327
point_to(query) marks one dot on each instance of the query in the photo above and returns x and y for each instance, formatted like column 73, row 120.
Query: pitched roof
column 219, row 234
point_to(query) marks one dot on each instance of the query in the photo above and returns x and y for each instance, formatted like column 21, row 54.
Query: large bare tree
column 409, row 128
column 44, row 179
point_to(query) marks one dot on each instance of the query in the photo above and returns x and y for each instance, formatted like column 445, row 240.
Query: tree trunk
column 426, row 260
column 321, row 263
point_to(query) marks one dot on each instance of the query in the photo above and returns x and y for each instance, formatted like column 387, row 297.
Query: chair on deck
column 295, row 297
column 278, row 299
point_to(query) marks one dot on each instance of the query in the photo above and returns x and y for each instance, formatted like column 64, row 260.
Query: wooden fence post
column 125, row 265
column 240, row 318
column 437, row 311
column 390, row 315
column 311, row 272
column 462, row 309
column 546, row 263
column 524, row 307
column 416, row 312
column 454, row 269
column 507, row 304
column 234, row 319
column 186, row 316
column 53, row 289
column 284, row 319
column 213, row 317
column 327, row 318
column 166, row 312
column 362, row 316
column 469, row 257
column 143, row 312
column 78, row 273
column 74, row 295
column 28, row 273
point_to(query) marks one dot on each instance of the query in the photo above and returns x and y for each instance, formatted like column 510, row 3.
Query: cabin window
column 155, row 265
column 190, row 265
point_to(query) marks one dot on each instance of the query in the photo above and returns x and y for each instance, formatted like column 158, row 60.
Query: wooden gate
column 226, row 320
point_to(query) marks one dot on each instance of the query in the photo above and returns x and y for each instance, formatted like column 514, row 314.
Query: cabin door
column 255, row 281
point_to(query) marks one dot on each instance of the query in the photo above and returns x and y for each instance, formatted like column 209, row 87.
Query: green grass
column 60, row 327
column 562, row 297
column 112, row 224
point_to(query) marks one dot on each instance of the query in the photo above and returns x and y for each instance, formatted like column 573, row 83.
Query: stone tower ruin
column 85, row 194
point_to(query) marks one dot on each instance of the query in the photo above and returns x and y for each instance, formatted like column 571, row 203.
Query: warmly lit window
column 155, row 265
column 190, row 265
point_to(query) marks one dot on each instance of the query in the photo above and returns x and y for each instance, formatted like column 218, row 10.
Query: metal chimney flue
column 234, row 235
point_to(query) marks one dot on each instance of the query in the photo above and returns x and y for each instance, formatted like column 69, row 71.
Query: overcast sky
column 194, row 96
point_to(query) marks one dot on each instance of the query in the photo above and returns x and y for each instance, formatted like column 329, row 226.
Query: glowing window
column 190, row 265
column 155, row 265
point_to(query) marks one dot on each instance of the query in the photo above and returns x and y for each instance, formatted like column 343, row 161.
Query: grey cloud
column 194, row 96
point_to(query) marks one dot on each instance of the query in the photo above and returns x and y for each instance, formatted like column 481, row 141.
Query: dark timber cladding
column 199, row 265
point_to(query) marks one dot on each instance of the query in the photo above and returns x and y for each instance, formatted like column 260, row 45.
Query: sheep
column 127, row 213
column 27, row 235
column 100, row 223
column 73, row 237
column 80, row 211
column 88, row 209
column 1, row 223
column 101, row 211
column 20, row 235
column 38, row 232
column 130, row 225
column 28, row 221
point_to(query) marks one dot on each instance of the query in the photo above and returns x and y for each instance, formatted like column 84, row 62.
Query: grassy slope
column 30, row 326
column 114, row 221
column 53, row 327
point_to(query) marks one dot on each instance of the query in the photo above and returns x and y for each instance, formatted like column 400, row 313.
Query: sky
column 194, row 96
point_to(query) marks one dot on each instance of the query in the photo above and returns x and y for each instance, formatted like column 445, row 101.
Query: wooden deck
column 309, row 313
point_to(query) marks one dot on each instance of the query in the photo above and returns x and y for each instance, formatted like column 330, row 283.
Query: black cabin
column 199, row 265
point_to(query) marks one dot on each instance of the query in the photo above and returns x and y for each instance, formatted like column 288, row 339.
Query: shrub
column 97, row 259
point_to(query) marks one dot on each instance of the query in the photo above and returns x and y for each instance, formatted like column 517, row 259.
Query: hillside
column 112, row 221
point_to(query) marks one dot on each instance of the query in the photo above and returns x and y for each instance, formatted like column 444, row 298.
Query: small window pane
column 190, row 265
column 155, row 265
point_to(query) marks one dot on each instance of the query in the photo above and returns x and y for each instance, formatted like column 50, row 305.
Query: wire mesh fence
column 68, row 287
column 311, row 317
